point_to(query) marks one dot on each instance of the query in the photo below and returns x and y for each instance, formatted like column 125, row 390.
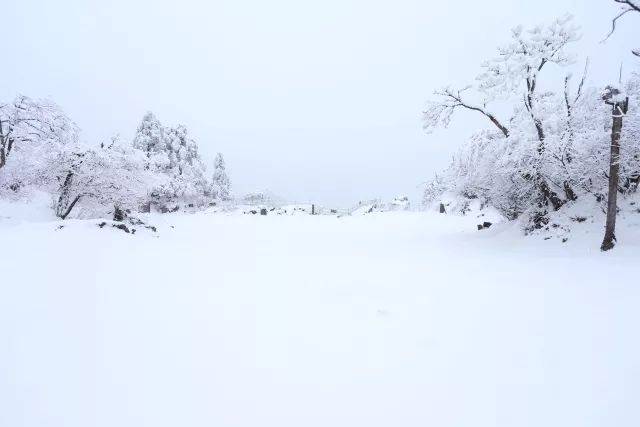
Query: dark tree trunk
column 548, row 195
column 3, row 154
column 619, row 110
column 118, row 214
column 63, row 199
column 540, row 132
column 66, row 213
column 9, row 146
column 64, row 206
column 568, row 192
column 495, row 121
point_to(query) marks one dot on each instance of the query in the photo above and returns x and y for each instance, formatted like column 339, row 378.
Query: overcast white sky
column 316, row 101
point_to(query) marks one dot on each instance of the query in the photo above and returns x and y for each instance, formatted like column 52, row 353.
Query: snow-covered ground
column 388, row 319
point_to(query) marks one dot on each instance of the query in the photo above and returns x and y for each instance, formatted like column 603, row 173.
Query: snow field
column 396, row 319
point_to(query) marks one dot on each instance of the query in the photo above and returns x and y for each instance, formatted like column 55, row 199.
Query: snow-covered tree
column 150, row 139
column 496, row 170
column 101, row 178
column 174, row 156
column 554, row 147
column 32, row 133
column 221, row 185
column 31, row 122
column 513, row 75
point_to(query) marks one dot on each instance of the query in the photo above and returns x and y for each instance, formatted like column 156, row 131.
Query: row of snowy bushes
column 160, row 169
column 554, row 146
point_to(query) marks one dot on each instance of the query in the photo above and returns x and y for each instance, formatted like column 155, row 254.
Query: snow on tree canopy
column 553, row 149
column 32, row 133
column 521, row 60
column 221, row 185
column 174, row 155
column 101, row 178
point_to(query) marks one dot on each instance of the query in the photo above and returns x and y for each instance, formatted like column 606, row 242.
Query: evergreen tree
column 221, row 183
column 150, row 139
column 174, row 156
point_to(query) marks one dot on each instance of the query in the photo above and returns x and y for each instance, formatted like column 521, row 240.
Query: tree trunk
column 569, row 193
column 63, row 199
column 548, row 195
column 3, row 155
column 119, row 214
column 66, row 213
column 495, row 121
column 619, row 110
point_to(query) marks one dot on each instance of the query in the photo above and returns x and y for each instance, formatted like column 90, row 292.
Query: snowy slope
column 395, row 319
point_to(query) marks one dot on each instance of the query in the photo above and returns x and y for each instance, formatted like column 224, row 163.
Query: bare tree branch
column 614, row 22
column 439, row 113
column 628, row 6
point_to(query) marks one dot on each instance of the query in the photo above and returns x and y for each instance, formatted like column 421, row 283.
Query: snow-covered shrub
column 265, row 197
column 400, row 203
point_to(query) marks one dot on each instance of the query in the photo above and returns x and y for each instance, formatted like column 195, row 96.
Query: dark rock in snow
column 263, row 211
column 487, row 224
column 480, row 227
column 118, row 214
column 121, row 227
column 138, row 221
column 442, row 209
